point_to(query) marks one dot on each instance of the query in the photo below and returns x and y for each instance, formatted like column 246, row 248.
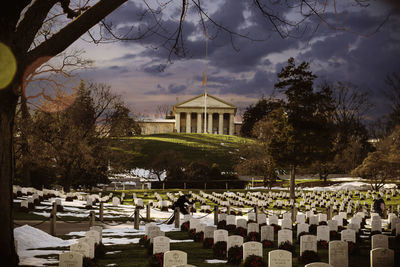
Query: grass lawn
column 135, row 255
column 209, row 147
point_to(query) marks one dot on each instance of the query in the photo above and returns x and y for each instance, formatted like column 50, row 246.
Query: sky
column 347, row 43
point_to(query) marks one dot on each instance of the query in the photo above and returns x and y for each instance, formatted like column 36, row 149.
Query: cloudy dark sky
column 361, row 50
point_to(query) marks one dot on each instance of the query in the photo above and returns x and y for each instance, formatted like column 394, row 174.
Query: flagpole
column 205, row 83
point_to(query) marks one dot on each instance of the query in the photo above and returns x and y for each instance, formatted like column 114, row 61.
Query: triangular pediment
column 198, row 101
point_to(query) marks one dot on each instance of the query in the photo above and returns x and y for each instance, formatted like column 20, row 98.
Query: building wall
column 150, row 127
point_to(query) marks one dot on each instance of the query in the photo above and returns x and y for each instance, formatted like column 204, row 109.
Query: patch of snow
column 216, row 261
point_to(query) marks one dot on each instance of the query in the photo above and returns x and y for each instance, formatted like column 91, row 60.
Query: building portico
column 190, row 115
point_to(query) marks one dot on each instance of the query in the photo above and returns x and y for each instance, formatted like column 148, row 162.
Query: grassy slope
column 209, row 147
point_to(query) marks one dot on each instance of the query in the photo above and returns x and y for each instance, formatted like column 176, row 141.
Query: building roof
column 198, row 101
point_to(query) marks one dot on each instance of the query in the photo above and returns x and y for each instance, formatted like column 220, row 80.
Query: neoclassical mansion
column 189, row 118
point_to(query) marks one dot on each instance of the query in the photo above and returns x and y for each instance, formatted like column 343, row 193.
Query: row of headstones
column 310, row 200
column 84, row 248
column 338, row 250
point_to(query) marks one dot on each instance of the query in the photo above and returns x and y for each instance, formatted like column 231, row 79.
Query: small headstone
column 273, row 220
column 82, row 248
column 300, row 218
column 285, row 235
column 71, row 259
column 338, row 254
column 234, row 240
column 193, row 223
column 308, row 242
column 200, row 227
column 160, row 244
column 209, row 231
column 279, row 258
column 323, row 233
column 222, row 217
column 91, row 243
column 348, row 235
column 382, row 257
column 253, row 227
column 267, row 233
column 154, row 234
column 302, row 227
column 116, row 201
column 322, row 217
column 333, row 225
column 252, row 248
column 94, row 234
column 150, row 227
column 174, row 257
column 287, row 216
column 287, row 224
column 220, row 236
column 379, row 241
column 262, row 218
column 98, row 229
column 313, row 220
column 251, row 216
column 231, row 220
column 241, row 223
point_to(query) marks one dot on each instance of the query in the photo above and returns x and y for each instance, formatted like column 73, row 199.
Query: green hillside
column 220, row 149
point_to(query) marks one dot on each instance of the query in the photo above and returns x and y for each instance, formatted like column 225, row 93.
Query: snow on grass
column 29, row 238
column 216, row 261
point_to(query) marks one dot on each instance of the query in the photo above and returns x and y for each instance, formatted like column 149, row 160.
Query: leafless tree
column 65, row 21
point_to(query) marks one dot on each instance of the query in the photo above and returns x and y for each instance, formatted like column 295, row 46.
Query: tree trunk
column 292, row 181
column 8, row 102
column 25, row 153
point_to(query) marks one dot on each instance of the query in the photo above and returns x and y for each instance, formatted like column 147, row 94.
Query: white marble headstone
column 338, row 254
column 279, row 258
column 70, row 259
column 174, row 257
column 160, row 244
column 252, row 248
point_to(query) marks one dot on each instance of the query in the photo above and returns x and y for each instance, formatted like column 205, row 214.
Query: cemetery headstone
column 382, row 257
column 160, row 244
column 285, row 235
column 308, row 242
column 70, row 259
column 91, row 244
column 209, row 231
column 174, row 257
column 379, row 241
column 323, row 233
column 348, row 235
column 234, row 240
column 252, row 248
column 220, row 236
column 279, row 258
column 253, row 227
column 82, row 248
column 338, row 254
column 267, row 233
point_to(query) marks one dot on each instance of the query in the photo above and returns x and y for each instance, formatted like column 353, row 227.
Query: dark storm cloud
column 157, row 70
column 170, row 89
column 334, row 55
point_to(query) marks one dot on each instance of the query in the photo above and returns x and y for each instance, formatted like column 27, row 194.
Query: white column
column 188, row 120
column 198, row 122
column 178, row 122
column 221, row 123
column 210, row 123
column 231, row 124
